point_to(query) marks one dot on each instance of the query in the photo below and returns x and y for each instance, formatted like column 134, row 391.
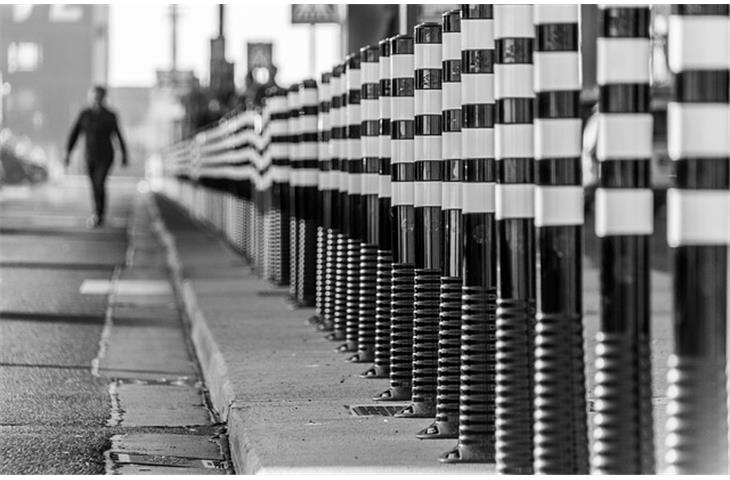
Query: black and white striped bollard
column 369, row 186
column 381, row 353
column 561, row 436
column 698, row 231
column 446, row 423
column 404, row 248
column 479, row 277
column 427, row 203
column 623, row 438
column 514, row 197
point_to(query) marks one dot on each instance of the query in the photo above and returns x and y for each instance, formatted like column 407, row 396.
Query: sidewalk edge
column 212, row 362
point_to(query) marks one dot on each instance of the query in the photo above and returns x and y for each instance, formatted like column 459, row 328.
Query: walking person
column 99, row 125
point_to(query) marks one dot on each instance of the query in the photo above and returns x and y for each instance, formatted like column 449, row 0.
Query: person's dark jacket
column 98, row 126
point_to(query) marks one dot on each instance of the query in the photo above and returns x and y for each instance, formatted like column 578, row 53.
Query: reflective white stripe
column 353, row 114
column 477, row 197
column 369, row 72
column 557, row 71
column 401, row 66
column 451, row 46
column 369, row 110
column 427, row 55
column 624, row 211
column 515, row 201
column 401, row 151
column 428, row 147
column 402, row 108
column 342, row 178
column 513, row 81
column 698, row 217
column 622, row 60
column 477, row 88
column 624, row 135
column 698, row 130
column 513, row 141
column 308, row 177
column 354, row 148
column 402, row 193
column 699, row 42
column 328, row 181
column 451, row 96
column 558, row 205
column 427, row 194
column 451, row 193
column 451, row 145
column 352, row 79
column 354, row 183
column 427, row 102
column 370, row 183
column 477, row 142
column 384, row 186
column 279, row 174
column 558, row 137
column 513, row 21
column 544, row 13
column 384, row 146
column 477, row 34
column 307, row 150
column 370, row 146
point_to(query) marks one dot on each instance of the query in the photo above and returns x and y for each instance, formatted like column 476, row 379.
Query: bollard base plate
column 394, row 394
column 469, row 454
column 417, row 410
column 335, row 336
column 439, row 430
column 375, row 372
column 361, row 357
column 346, row 348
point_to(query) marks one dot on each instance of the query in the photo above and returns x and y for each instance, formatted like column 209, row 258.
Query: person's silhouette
column 98, row 124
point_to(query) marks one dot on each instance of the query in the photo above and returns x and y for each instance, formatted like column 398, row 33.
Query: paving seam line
column 213, row 364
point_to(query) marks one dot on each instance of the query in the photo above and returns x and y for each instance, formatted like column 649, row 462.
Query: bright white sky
column 139, row 38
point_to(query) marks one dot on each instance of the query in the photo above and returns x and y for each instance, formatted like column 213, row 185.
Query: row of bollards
column 425, row 196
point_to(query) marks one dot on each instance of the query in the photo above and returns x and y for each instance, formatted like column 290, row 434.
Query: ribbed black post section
column 330, row 185
column 514, row 197
column 623, row 438
column 370, row 165
column 384, row 260
column 354, row 215
column 324, row 200
column 561, row 436
column 479, row 275
column 307, row 177
column 341, row 209
column 698, row 230
column 404, row 249
column 446, row 423
column 279, row 153
column 295, row 208
column 427, row 203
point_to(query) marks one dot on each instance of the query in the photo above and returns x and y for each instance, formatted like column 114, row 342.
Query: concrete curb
column 215, row 370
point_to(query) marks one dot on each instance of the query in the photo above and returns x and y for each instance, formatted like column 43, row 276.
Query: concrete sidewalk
column 283, row 390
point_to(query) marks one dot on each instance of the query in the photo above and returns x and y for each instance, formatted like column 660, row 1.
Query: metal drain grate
column 272, row 293
column 376, row 409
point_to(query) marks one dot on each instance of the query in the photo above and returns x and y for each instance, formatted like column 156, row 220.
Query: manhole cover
column 376, row 409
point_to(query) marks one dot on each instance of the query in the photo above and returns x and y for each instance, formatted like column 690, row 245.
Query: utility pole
column 173, row 30
column 221, row 20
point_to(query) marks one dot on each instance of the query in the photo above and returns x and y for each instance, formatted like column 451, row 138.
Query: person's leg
column 92, row 170
column 101, row 172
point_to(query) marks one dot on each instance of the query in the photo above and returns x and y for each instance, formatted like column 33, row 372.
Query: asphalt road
column 52, row 410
